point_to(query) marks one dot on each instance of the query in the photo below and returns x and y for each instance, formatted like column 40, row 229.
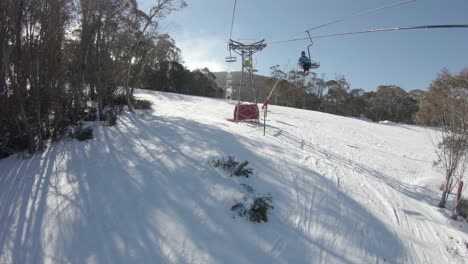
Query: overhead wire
column 370, row 31
column 361, row 13
column 354, row 15
column 232, row 21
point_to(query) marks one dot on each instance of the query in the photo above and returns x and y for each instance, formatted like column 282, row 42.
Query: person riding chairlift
column 305, row 63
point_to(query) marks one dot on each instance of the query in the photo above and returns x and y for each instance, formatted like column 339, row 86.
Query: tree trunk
column 40, row 135
column 100, row 107
column 92, row 92
column 27, row 127
column 21, row 80
column 128, row 94
column 443, row 199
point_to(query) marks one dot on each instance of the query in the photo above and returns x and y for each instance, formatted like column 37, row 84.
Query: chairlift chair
column 231, row 59
column 313, row 64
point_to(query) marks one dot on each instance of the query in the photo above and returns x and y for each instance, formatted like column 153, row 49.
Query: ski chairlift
column 230, row 58
column 246, row 112
column 313, row 64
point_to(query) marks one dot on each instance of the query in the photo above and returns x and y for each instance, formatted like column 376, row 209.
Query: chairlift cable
column 361, row 13
column 354, row 15
column 392, row 29
column 277, row 81
column 233, row 15
column 267, row 100
column 231, row 58
column 371, row 31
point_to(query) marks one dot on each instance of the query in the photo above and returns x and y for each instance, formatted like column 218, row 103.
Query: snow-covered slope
column 344, row 191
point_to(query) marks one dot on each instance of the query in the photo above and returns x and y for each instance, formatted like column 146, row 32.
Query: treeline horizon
column 335, row 96
column 57, row 55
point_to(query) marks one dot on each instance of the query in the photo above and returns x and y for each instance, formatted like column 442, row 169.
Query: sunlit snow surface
column 344, row 191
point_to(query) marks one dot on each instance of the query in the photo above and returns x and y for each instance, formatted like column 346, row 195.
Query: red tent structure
column 246, row 112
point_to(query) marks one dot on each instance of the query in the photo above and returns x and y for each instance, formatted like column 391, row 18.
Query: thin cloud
column 203, row 51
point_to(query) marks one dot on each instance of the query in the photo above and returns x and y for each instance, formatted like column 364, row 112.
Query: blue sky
column 409, row 59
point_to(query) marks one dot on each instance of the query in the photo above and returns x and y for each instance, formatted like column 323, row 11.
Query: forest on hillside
column 60, row 56
column 336, row 96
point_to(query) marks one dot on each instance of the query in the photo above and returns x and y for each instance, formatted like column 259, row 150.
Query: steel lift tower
column 246, row 52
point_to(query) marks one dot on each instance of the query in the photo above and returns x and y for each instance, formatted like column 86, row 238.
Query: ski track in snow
column 344, row 191
column 379, row 193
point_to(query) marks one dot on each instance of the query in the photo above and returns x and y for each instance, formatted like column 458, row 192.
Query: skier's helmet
column 303, row 53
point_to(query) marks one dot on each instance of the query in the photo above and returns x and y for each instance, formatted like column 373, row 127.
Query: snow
column 344, row 191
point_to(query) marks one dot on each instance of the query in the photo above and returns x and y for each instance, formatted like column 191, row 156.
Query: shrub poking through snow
column 111, row 117
column 233, row 167
column 216, row 163
column 239, row 209
column 242, row 171
column 247, row 188
column 4, row 151
column 254, row 208
column 90, row 114
column 142, row 104
column 258, row 211
column 120, row 99
column 463, row 206
column 83, row 134
column 229, row 164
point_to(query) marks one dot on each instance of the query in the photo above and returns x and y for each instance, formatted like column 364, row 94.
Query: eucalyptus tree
column 148, row 22
column 445, row 105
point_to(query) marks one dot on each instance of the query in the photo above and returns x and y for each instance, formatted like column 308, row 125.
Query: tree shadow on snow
column 125, row 197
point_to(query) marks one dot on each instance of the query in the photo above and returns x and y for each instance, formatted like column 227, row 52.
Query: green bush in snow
column 233, row 167
column 463, row 206
column 258, row 211
column 247, row 188
column 83, row 134
column 241, row 170
column 119, row 99
column 229, row 164
column 142, row 104
column 239, row 209
column 111, row 117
